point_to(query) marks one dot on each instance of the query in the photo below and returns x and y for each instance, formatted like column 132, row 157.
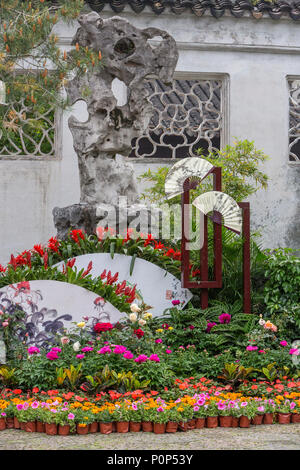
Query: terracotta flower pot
column 295, row 418
column 63, row 429
column 106, row 428
column 114, row 426
column 191, row 424
column 183, row 426
column 122, row 426
column 51, row 429
column 244, row 422
column 40, row 426
column 268, row 418
column 159, row 428
column 30, row 426
column 225, row 421
column 258, row 419
column 284, row 418
column 212, row 422
column 22, row 426
column 200, row 423
column 171, row 426
column 10, row 423
column 2, row 424
column 135, row 427
column 16, row 423
column 82, row 429
column 93, row 427
column 234, row 422
column 147, row 426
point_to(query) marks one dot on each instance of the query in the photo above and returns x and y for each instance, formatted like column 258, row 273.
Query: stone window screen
column 294, row 119
column 28, row 135
column 188, row 115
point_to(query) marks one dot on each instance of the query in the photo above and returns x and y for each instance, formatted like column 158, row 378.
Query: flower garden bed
column 67, row 413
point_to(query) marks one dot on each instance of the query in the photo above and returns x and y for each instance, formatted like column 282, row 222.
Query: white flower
column 135, row 308
column 76, row 346
column 261, row 322
column 133, row 317
column 142, row 322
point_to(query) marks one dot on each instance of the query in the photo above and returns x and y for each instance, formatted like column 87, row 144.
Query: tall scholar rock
column 109, row 130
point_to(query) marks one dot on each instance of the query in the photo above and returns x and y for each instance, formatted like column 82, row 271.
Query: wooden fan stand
column 204, row 284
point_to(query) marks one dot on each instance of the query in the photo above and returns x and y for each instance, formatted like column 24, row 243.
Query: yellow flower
column 81, row 324
column 170, row 328
column 160, row 330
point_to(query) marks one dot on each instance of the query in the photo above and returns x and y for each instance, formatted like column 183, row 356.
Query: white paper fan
column 195, row 167
column 226, row 205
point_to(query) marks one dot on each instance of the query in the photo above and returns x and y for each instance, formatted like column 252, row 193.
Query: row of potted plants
column 147, row 414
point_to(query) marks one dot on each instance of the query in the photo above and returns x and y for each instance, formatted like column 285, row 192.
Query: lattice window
column 294, row 119
column 27, row 134
column 188, row 116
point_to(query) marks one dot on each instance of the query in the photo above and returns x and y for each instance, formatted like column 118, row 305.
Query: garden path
column 273, row 437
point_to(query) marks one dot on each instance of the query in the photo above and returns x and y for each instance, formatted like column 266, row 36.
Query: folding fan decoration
column 192, row 167
column 226, row 205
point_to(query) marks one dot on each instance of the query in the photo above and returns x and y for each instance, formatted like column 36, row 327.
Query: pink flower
column 251, row 348
column 5, row 323
column 196, row 408
column 191, row 327
column 120, row 349
column 283, row 343
column 221, row 405
column 87, row 349
column 80, row 356
column 175, row 302
column 294, row 352
column 168, row 351
column 71, row 416
column 128, row 355
column 104, row 350
column 3, row 414
column 33, row 350
column 64, row 340
column 141, row 358
column 52, row 355
column 158, row 340
column 224, row 318
column 262, row 351
column 160, row 408
column 154, row 357
column 35, row 404
column 209, row 326
column 19, row 406
column 56, row 349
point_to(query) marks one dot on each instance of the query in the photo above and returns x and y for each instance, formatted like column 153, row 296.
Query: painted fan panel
column 226, row 205
column 195, row 167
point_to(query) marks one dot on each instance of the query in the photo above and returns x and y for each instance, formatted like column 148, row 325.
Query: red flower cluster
column 53, row 244
column 99, row 327
column 76, row 234
column 139, row 333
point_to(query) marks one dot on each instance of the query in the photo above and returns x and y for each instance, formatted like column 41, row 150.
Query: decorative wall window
column 188, row 115
column 294, row 119
column 28, row 134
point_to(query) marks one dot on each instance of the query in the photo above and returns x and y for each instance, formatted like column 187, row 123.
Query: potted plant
column 26, row 415
column 212, row 415
column 284, row 412
column 295, row 418
column 260, row 411
column 174, row 419
column 135, row 417
column 225, row 418
column 121, row 415
column 269, row 411
column 105, row 419
column 248, row 411
column 200, row 413
column 160, row 418
column 186, row 413
column 146, row 418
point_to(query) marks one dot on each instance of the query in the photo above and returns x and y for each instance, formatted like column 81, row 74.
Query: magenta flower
column 3, row 414
column 209, row 326
column 56, row 349
column 160, row 408
column 158, row 340
column 33, row 350
column 87, row 349
column 196, row 408
column 52, row 355
column 251, row 348
column 262, row 351
column 294, row 352
column 175, row 302
column 80, row 356
column 141, row 358
column 71, row 416
column 120, row 349
column 19, row 406
column 128, row 355
column 104, row 350
column 224, row 318
column 35, row 404
column 283, row 343
column 154, row 357
column 191, row 327
column 168, row 351
column 221, row 405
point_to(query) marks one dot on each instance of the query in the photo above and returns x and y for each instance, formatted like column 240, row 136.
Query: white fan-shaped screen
column 221, row 202
column 195, row 167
